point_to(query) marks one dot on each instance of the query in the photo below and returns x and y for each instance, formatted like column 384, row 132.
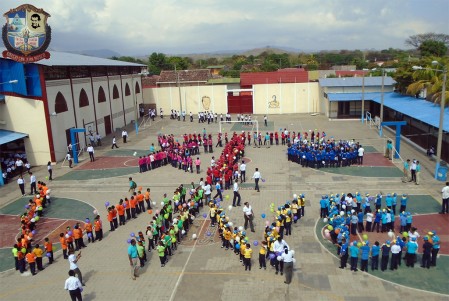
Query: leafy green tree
column 230, row 73
column 432, row 48
column 179, row 62
column 403, row 77
column 416, row 40
column 429, row 80
column 128, row 59
column 157, row 62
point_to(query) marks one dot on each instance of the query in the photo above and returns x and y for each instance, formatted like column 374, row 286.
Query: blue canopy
column 419, row 109
column 8, row 136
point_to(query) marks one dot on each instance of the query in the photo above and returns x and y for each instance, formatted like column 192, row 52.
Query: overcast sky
column 140, row 27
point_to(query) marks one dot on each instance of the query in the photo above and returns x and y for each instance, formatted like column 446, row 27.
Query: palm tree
column 430, row 81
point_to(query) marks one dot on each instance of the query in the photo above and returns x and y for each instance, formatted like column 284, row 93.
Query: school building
column 295, row 90
column 42, row 101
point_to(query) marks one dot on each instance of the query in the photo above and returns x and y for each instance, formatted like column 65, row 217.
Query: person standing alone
column 236, row 194
column 243, row 172
column 90, row 150
column 73, row 266
column 74, row 286
column 133, row 258
column 21, row 183
column 361, row 152
column 33, row 184
column 256, row 178
column 287, row 258
column 124, row 135
column 248, row 215
column 50, row 171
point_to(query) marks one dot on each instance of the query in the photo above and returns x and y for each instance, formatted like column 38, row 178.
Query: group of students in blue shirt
column 396, row 248
column 345, row 217
column 358, row 210
column 329, row 153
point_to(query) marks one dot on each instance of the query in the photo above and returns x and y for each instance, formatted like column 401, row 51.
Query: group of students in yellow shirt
column 235, row 237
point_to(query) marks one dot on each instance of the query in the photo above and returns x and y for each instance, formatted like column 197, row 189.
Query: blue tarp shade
column 33, row 80
column 9, row 136
column 27, row 76
column 419, row 109
column 10, row 70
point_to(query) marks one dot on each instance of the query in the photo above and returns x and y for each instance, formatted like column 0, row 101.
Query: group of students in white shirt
column 14, row 168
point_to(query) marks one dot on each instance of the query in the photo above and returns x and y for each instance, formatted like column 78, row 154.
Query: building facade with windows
column 42, row 101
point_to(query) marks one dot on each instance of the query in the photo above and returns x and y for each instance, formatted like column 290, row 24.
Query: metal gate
column 240, row 101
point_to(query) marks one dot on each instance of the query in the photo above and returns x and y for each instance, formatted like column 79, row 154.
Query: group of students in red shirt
column 227, row 164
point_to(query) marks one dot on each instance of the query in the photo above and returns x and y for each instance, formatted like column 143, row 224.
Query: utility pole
column 179, row 90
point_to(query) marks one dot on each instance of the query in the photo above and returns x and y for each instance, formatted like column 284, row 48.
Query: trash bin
column 442, row 172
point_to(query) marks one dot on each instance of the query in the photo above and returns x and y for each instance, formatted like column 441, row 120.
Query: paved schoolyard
column 200, row 269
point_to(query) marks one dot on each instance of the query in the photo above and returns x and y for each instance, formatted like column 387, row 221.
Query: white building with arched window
column 41, row 102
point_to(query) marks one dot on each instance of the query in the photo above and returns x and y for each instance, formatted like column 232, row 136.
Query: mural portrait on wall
column 274, row 104
column 206, row 102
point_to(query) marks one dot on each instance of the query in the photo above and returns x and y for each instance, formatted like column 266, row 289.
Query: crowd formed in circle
column 350, row 219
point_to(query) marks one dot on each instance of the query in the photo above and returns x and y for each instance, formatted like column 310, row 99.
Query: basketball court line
column 54, row 229
column 125, row 163
column 175, row 288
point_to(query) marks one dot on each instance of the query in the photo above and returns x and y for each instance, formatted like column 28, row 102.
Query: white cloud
column 180, row 26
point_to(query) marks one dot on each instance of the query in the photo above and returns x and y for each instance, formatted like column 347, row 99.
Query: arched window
column 84, row 100
column 137, row 89
column 60, row 103
column 101, row 95
column 115, row 94
column 127, row 91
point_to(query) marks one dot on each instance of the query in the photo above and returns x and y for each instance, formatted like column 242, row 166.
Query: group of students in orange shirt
column 23, row 251
column 128, row 208
column 24, row 254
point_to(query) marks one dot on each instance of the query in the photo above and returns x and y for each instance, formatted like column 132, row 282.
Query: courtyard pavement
column 200, row 269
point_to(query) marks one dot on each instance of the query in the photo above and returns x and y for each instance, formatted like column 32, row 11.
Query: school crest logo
column 26, row 34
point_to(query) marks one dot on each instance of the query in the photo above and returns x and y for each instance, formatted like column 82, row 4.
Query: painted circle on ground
column 134, row 162
column 61, row 213
column 247, row 160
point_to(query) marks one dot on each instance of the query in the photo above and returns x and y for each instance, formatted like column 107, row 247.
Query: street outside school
column 200, row 269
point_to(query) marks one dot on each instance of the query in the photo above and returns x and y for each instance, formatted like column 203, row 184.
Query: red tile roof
column 353, row 73
column 150, row 81
column 198, row 75
column 280, row 76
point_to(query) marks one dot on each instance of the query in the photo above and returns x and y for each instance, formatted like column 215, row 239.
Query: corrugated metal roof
column 351, row 96
column 417, row 108
column 356, row 81
column 71, row 59
column 9, row 136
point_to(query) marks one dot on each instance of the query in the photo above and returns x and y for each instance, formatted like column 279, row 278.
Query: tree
column 179, row 62
column 429, row 80
column 416, row 40
column 432, row 48
column 403, row 77
column 128, row 59
column 157, row 62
